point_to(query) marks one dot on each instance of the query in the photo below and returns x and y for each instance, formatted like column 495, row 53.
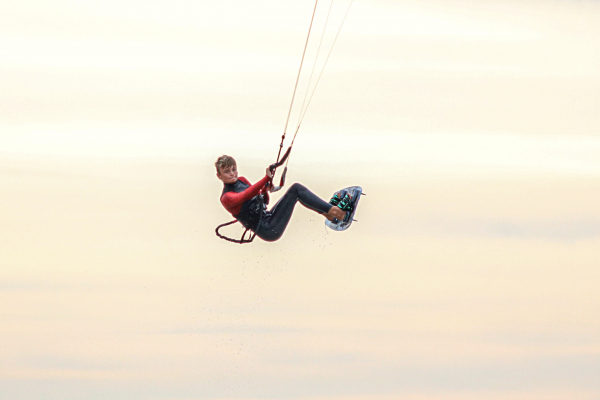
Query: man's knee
column 296, row 187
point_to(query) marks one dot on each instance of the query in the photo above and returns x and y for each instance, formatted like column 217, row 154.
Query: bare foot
column 335, row 212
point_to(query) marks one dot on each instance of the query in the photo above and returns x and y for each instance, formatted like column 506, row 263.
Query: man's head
column 226, row 169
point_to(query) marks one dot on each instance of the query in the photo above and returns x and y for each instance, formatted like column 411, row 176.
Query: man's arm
column 233, row 201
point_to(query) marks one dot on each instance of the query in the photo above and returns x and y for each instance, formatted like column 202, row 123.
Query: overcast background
column 473, row 269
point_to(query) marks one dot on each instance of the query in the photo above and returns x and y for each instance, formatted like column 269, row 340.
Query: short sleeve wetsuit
column 246, row 203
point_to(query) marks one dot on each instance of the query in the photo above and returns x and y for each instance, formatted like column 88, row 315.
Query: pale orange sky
column 472, row 271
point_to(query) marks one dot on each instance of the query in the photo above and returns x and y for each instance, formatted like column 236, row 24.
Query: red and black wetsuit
column 245, row 202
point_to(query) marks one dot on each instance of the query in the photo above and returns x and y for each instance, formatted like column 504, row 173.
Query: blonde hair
column 224, row 162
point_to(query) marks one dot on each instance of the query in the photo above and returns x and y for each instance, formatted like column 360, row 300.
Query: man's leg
column 274, row 223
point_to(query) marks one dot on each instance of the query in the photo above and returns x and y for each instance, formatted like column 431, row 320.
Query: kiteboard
column 355, row 192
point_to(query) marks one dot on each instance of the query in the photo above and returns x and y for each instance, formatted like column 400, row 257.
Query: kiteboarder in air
column 247, row 203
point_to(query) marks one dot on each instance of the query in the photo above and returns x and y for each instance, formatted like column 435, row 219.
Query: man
column 246, row 202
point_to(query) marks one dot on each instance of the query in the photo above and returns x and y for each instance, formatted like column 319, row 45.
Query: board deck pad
column 355, row 192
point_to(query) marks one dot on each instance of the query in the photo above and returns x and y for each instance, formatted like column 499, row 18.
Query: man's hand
column 269, row 172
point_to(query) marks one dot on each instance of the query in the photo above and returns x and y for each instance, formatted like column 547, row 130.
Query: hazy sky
column 472, row 271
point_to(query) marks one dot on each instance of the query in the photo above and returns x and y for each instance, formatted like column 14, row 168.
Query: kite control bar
column 278, row 164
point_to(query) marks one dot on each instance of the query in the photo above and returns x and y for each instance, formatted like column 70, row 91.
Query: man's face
column 228, row 174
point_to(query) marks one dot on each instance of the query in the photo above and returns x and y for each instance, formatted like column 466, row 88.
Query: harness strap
column 252, row 235
column 240, row 241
